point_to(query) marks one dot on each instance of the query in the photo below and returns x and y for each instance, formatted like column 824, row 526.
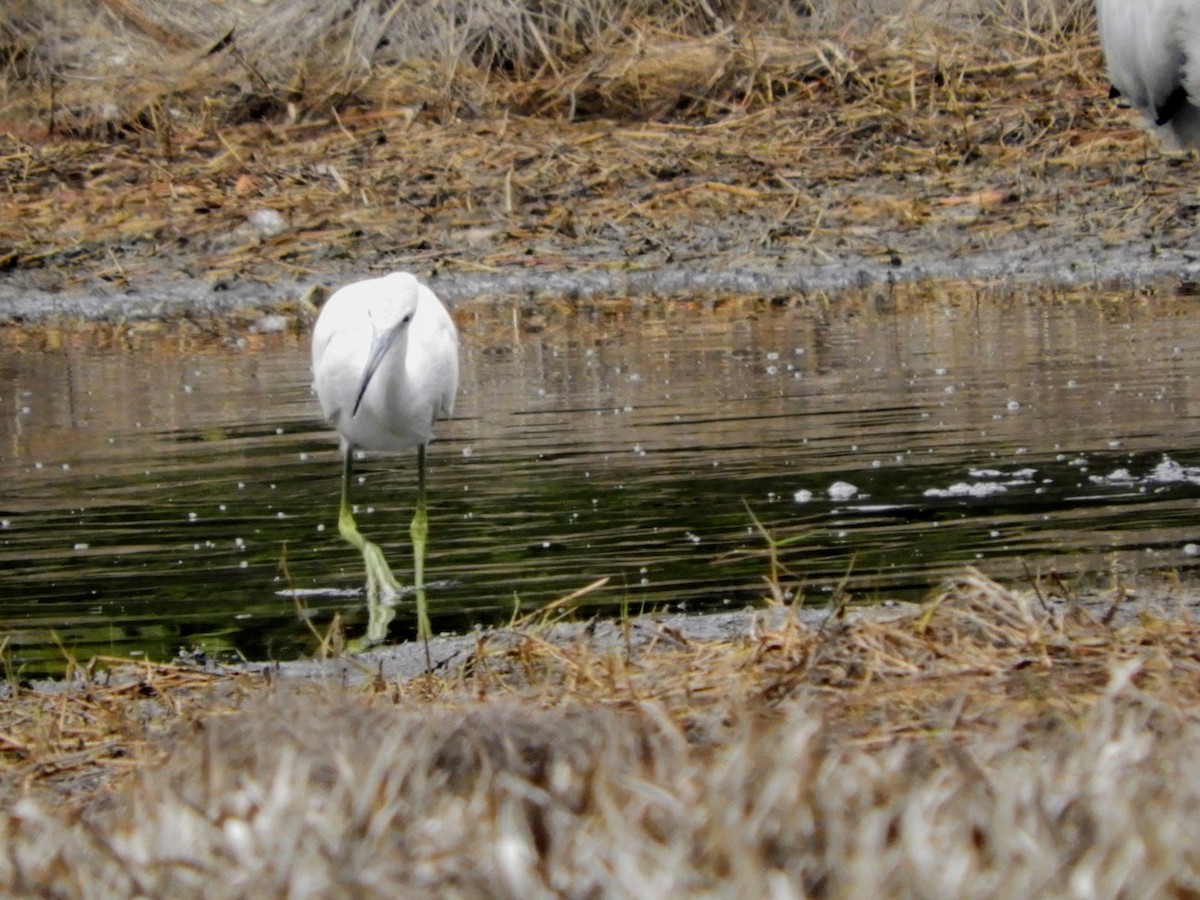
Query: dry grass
column 781, row 140
column 984, row 746
column 147, row 62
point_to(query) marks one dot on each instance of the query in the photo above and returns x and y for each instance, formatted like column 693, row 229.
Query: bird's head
column 391, row 306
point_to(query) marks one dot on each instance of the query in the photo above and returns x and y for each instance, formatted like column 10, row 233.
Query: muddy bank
column 1114, row 605
column 1106, row 603
column 1019, row 171
column 1071, row 264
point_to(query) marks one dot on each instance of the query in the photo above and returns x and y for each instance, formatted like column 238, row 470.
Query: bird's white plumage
column 1152, row 48
column 385, row 367
column 416, row 378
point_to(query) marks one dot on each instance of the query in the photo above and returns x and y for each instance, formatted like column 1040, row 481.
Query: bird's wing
column 1143, row 50
column 446, row 337
column 1188, row 32
column 443, row 338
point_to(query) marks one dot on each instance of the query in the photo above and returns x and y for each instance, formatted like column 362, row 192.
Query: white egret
column 1153, row 52
column 385, row 368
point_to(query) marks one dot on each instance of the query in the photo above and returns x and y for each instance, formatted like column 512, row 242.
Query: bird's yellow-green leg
column 382, row 587
column 419, row 530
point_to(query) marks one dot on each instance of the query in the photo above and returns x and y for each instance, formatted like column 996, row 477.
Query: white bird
column 385, row 368
column 1153, row 52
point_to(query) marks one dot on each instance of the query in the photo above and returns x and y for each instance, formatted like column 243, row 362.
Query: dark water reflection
column 164, row 491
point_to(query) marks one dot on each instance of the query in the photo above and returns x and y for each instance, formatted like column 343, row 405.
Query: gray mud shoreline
column 1069, row 264
column 1116, row 607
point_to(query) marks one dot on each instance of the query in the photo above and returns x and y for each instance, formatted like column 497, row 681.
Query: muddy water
column 176, row 489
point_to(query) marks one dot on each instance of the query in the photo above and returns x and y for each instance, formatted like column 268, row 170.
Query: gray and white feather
column 1152, row 48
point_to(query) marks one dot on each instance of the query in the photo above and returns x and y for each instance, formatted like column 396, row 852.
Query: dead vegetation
column 986, row 745
column 129, row 63
column 325, row 139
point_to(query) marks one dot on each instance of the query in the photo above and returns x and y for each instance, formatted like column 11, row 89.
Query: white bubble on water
column 966, row 489
column 841, row 490
column 1116, row 476
column 1168, row 472
column 802, row 496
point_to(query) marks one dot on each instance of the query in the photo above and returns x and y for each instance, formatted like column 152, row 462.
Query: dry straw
column 116, row 63
column 276, row 141
column 994, row 743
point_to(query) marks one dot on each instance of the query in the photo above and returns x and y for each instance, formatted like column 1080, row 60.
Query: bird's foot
column 382, row 586
column 382, row 593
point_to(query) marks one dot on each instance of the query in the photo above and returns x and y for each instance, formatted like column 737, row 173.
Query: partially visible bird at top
column 385, row 368
column 1153, row 52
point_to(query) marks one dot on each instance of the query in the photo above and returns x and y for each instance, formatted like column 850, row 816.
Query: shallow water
column 176, row 489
